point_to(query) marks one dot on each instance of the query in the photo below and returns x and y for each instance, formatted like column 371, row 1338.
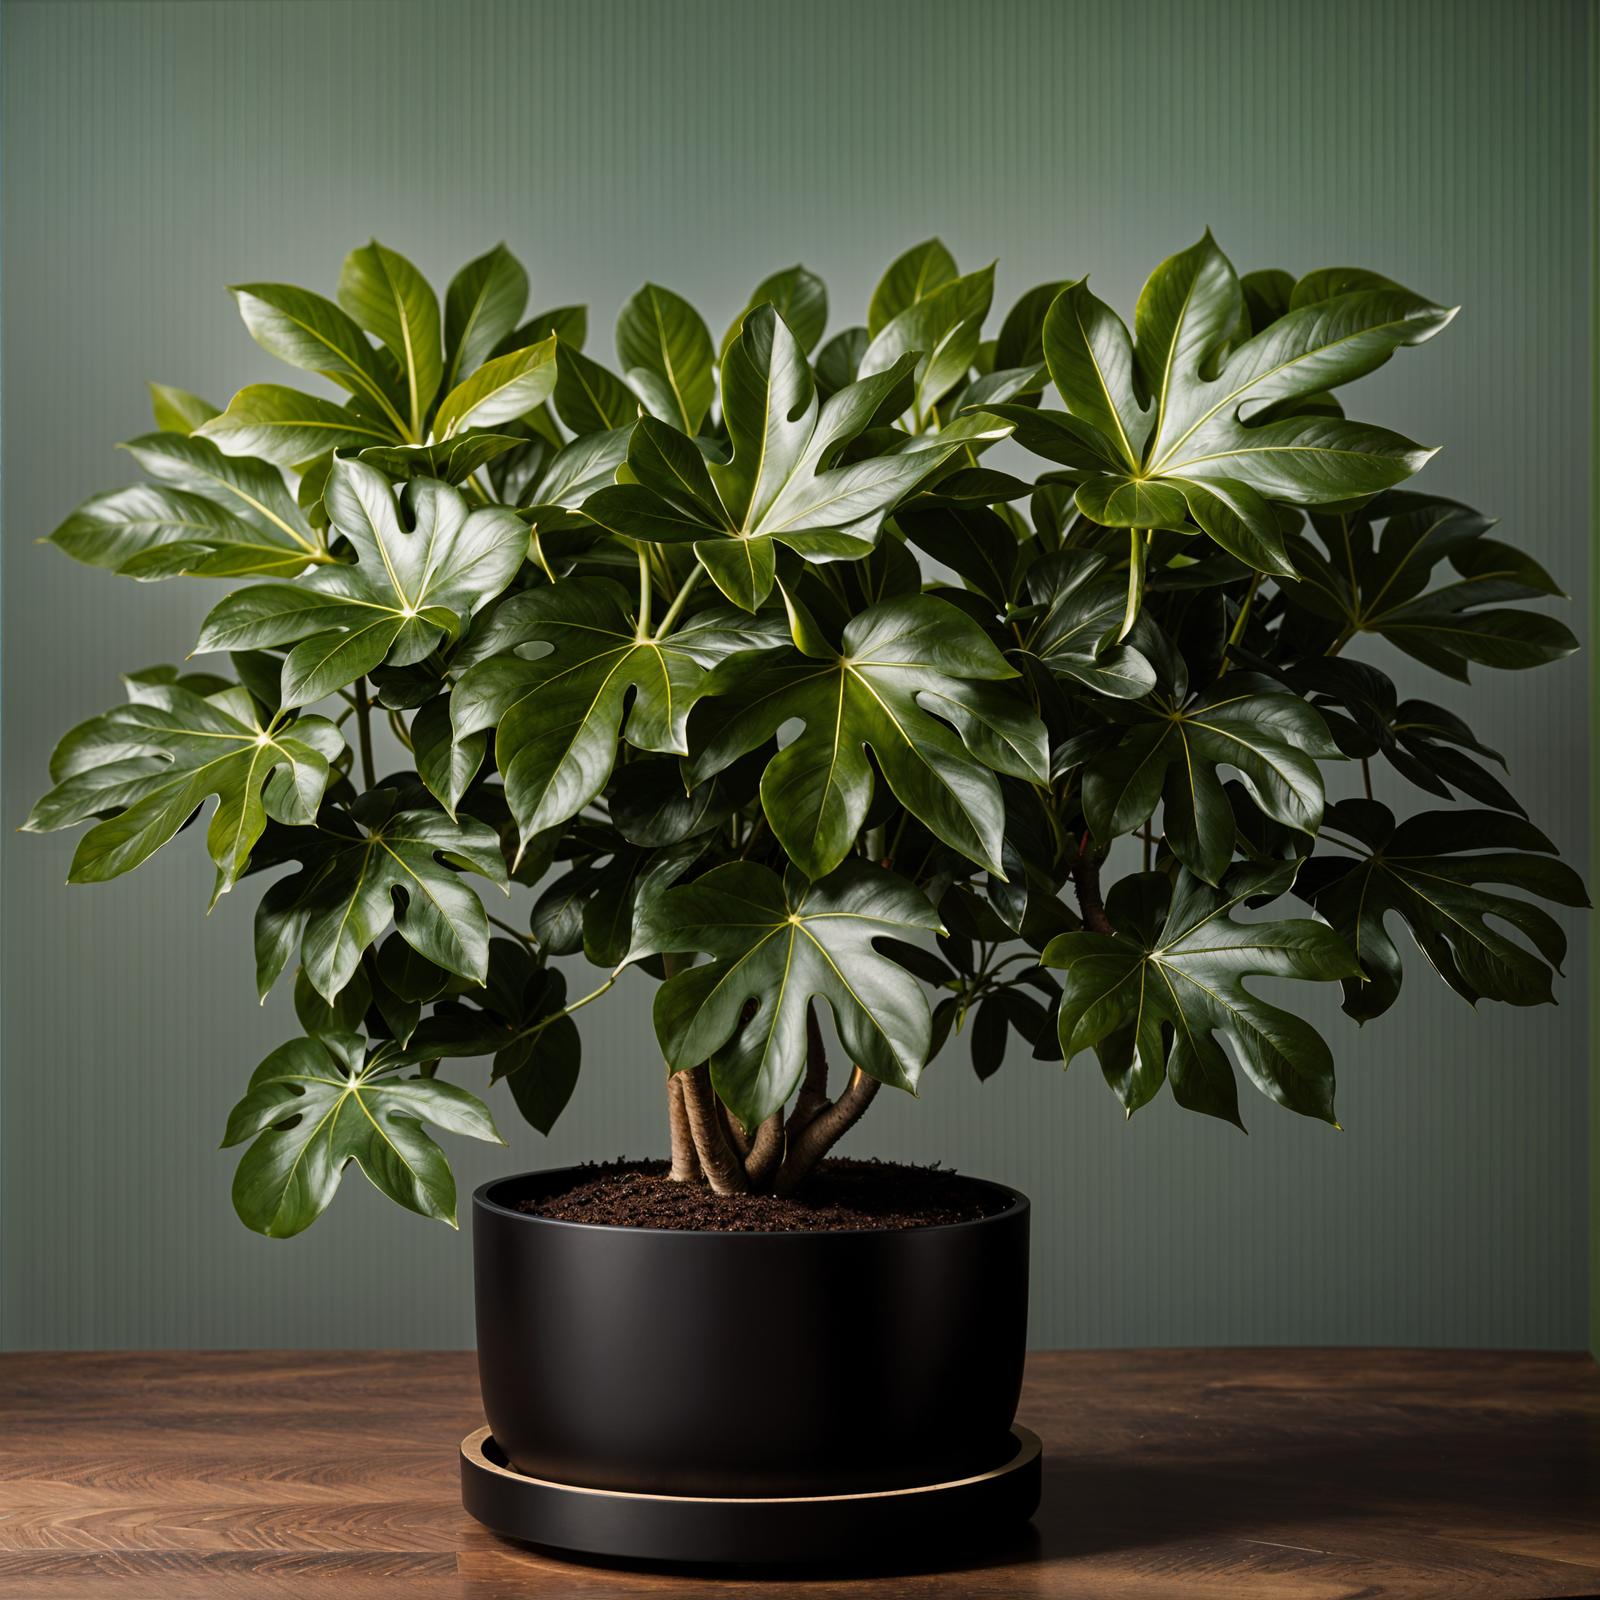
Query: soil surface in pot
column 841, row 1196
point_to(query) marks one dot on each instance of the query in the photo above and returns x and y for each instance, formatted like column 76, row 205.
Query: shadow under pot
column 747, row 1365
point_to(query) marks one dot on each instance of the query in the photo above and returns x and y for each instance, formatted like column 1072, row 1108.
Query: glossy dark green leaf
column 285, row 426
column 942, row 327
column 345, row 1013
column 800, row 298
column 451, row 461
column 569, row 324
column 912, row 276
column 666, row 352
column 408, row 972
column 989, row 1026
column 541, row 1066
column 781, row 942
column 779, row 485
column 1378, row 582
column 345, row 896
column 1021, row 341
column 1191, row 979
column 1083, row 605
column 315, row 335
column 1090, row 356
column 557, row 718
column 1204, row 432
column 312, row 1107
column 388, row 297
column 445, row 764
column 1272, row 740
column 153, row 763
column 1421, row 873
column 408, row 589
column 839, row 361
column 481, row 307
column 901, row 659
column 588, row 398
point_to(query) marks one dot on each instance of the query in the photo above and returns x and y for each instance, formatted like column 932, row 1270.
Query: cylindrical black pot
column 747, row 1364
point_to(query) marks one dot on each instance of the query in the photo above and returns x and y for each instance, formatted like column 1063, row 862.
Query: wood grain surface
column 1322, row 1474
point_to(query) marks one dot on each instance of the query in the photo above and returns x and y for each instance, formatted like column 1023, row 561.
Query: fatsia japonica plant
column 740, row 654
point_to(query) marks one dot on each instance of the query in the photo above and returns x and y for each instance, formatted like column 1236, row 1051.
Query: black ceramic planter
column 653, row 1362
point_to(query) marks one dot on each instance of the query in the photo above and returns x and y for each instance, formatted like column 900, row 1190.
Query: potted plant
column 742, row 653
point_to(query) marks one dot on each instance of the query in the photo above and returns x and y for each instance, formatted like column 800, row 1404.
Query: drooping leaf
column 154, row 762
column 1273, row 740
column 1423, row 872
column 1124, row 990
column 780, row 942
column 408, row 589
column 312, row 1107
column 1082, row 610
column 1377, row 582
column 900, row 659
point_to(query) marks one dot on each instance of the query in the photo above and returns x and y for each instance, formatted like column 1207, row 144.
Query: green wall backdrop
column 155, row 152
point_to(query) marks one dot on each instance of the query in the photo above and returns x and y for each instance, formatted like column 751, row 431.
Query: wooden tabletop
column 1314, row 1473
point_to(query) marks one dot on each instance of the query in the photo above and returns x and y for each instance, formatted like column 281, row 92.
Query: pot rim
column 1017, row 1203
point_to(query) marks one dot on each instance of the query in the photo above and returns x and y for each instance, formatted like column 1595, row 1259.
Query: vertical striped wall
column 155, row 152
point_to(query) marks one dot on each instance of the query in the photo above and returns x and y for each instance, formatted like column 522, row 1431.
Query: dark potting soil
column 841, row 1196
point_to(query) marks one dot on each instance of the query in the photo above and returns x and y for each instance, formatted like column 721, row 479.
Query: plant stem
column 364, row 733
column 1086, row 884
column 724, row 1170
column 1366, row 776
column 690, row 584
column 685, row 1162
column 644, row 588
column 824, row 1131
column 525, row 938
column 1339, row 643
column 1137, row 538
column 1234, row 636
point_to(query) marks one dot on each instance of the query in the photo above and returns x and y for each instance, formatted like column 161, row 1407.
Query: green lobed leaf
column 781, row 942
column 897, row 656
column 312, row 1107
column 409, row 588
column 557, row 719
column 344, row 897
column 1125, row 989
column 153, row 763
column 1422, row 873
